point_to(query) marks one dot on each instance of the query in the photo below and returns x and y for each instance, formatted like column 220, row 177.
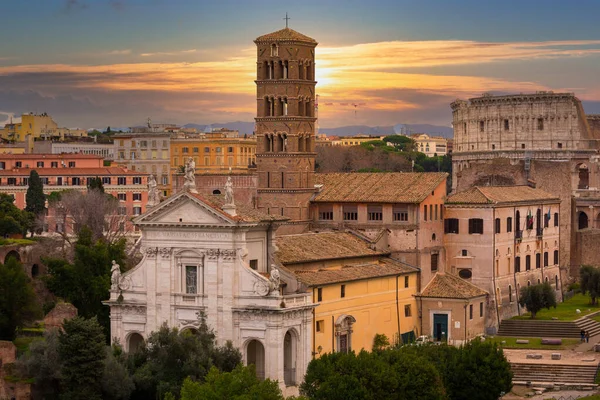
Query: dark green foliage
column 536, row 297
column 589, row 279
column 18, row 304
column 86, row 282
column 82, row 351
column 239, row 384
column 12, row 220
column 389, row 374
column 42, row 363
column 96, row 184
column 171, row 356
column 401, row 142
column 35, row 198
column 475, row 371
column 380, row 342
column 117, row 383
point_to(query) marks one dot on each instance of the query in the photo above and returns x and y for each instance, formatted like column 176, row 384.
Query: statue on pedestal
column 190, row 178
column 153, row 196
column 229, row 192
column 115, row 275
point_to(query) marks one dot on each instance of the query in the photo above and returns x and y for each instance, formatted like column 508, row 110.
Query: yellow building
column 37, row 126
column 214, row 152
column 355, row 140
column 359, row 292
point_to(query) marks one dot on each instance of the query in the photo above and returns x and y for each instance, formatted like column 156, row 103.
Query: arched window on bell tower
column 274, row 50
column 300, row 69
column 285, row 69
column 301, row 142
column 284, row 106
column 307, row 111
column 300, row 106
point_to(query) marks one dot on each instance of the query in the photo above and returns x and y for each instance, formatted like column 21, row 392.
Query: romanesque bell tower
column 285, row 123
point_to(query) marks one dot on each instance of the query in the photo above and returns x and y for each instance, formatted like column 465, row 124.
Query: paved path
column 588, row 346
column 569, row 357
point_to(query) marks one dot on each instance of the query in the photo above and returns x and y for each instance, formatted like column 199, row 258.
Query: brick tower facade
column 285, row 124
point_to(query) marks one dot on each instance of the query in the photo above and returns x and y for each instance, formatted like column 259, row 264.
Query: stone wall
column 244, row 185
column 587, row 251
column 8, row 388
column 593, row 121
column 56, row 317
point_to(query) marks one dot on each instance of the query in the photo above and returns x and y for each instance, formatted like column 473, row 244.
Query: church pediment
column 184, row 209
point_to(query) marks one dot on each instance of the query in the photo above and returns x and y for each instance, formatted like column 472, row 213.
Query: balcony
column 539, row 232
column 519, row 235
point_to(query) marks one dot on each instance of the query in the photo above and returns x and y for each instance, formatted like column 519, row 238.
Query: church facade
column 203, row 256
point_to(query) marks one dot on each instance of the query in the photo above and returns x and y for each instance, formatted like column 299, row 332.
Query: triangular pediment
column 184, row 209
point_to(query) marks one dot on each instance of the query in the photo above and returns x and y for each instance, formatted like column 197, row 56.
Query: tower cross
column 286, row 19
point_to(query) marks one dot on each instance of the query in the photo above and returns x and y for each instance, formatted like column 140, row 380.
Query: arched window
column 274, row 50
column 509, row 224
column 343, row 333
column 584, row 177
column 255, row 355
column 517, row 221
column 583, row 220
column 290, row 342
column 528, row 283
column 497, row 225
column 35, row 270
column 135, row 342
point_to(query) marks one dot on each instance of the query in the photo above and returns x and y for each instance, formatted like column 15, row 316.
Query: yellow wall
column 243, row 151
column 36, row 126
column 372, row 303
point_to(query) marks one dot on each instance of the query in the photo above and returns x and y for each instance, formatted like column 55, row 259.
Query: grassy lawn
column 534, row 343
column 6, row 242
column 565, row 311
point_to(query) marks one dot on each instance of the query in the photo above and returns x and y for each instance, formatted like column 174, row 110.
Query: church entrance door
column 440, row 327
column 255, row 355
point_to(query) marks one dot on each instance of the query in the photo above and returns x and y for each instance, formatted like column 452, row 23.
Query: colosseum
column 542, row 139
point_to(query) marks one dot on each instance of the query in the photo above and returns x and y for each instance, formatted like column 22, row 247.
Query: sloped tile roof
column 245, row 213
column 450, row 286
column 285, row 34
column 308, row 247
column 381, row 187
column 499, row 195
column 380, row 268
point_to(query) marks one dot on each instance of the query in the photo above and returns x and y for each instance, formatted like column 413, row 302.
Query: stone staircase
column 556, row 374
column 534, row 328
column 588, row 324
column 548, row 329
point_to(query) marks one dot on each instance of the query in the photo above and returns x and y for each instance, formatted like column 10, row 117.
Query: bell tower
column 285, row 123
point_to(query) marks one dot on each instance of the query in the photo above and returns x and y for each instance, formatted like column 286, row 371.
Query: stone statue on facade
column 274, row 279
column 229, row 192
column 115, row 275
column 190, row 176
column 153, row 196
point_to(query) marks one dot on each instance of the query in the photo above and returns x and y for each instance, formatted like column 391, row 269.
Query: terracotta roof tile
column 308, row 247
column 46, row 156
column 382, row 187
column 380, row 268
column 499, row 195
column 450, row 286
column 286, row 34
column 244, row 212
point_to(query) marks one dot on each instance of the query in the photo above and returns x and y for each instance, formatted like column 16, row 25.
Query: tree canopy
column 13, row 220
column 18, row 304
column 81, row 350
column 589, row 279
column 96, row 184
column 170, row 356
column 35, row 199
column 473, row 371
column 239, row 384
column 85, row 283
column 536, row 297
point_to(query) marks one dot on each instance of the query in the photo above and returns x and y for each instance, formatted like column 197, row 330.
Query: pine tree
column 36, row 201
column 96, row 183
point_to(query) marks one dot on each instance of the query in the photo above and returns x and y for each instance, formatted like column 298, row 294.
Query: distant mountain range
column 248, row 127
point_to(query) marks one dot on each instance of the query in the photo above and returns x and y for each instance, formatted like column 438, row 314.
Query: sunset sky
column 93, row 63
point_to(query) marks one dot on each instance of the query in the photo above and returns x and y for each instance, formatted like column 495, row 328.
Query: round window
column 465, row 273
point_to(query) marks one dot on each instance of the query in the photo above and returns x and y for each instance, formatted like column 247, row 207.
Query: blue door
column 440, row 327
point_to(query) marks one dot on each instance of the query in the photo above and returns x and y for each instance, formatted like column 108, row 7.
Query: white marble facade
column 198, row 257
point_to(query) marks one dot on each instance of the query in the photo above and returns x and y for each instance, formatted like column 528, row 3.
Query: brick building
column 398, row 212
column 285, row 125
column 544, row 138
column 502, row 238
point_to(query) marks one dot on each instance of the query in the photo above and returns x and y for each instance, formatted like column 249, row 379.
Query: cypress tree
column 36, row 201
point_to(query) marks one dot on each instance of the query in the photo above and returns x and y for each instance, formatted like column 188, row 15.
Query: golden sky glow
column 367, row 73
